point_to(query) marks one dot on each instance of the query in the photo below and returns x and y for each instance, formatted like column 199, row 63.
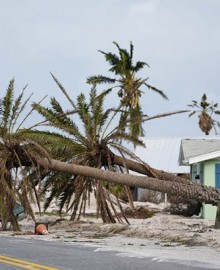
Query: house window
column 217, row 175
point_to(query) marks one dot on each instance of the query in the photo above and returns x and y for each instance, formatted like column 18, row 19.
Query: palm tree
column 15, row 153
column 205, row 112
column 129, row 86
column 86, row 141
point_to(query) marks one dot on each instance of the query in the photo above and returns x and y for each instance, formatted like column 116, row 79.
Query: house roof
column 197, row 150
column 175, row 154
column 162, row 154
column 213, row 155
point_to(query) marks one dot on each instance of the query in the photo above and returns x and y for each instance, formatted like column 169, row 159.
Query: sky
column 179, row 40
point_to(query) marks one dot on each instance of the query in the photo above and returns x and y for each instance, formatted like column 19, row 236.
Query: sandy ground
column 162, row 237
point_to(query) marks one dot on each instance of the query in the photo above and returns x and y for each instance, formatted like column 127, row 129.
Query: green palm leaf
column 7, row 104
column 100, row 79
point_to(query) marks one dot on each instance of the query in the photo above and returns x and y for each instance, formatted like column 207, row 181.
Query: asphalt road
column 22, row 253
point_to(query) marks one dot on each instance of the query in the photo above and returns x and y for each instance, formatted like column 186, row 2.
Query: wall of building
column 209, row 173
column 209, row 211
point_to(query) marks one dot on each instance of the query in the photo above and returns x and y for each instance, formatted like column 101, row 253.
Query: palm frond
column 104, row 93
column 19, row 111
column 61, row 122
column 98, row 115
column 67, row 192
column 83, row 107
column 16, row 107
column 139, row 65
column 57, row 108
column 124, row 151
column 131, row 50
column 63, row 90
column 7, row 104
column 126, row 137
column 160, row 92
column 49, row 199
column 135, row 126
column 192, row 113
column 60, row 147
column 113, row 59
column 99, row 79
column 29, row 113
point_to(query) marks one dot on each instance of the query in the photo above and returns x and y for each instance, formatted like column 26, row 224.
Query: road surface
column 23, row 253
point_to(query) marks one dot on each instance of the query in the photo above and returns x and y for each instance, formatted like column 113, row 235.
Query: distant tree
column 205, row 111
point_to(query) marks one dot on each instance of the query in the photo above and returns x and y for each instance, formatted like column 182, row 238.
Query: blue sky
column 179, row 40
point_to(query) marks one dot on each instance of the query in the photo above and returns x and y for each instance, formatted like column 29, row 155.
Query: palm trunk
column 8, row 204
column 190, row 190
column 2, row 209
column 144, row 168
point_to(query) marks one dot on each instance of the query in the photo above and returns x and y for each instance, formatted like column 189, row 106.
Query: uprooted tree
column 81, row 158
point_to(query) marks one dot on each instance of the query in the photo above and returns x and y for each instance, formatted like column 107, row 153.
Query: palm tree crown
column 88, row 145
column 129, row 85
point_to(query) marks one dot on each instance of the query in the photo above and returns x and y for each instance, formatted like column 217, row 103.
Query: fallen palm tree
column 188, row 190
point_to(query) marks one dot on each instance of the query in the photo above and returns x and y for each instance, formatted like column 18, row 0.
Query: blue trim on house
column 217, row 175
